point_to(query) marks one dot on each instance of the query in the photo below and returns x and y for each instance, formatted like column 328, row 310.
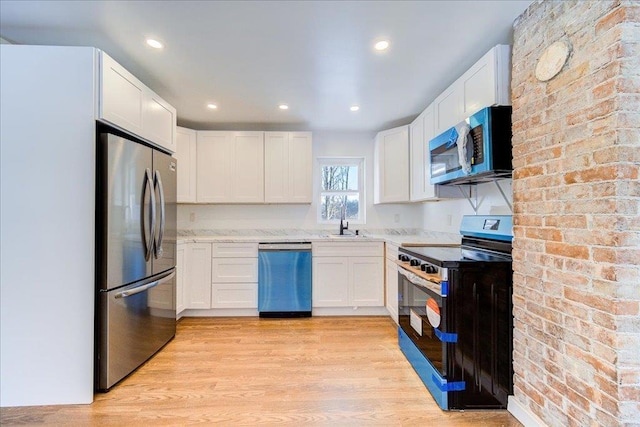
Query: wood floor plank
column 249, row 371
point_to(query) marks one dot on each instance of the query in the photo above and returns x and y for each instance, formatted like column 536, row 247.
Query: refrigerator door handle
column 143, row 288
column 158, row 243
column 148, row 241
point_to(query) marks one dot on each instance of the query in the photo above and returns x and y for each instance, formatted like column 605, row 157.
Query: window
column 341, row 190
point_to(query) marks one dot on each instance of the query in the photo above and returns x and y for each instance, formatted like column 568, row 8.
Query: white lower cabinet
column 198, row 276
column 234, row 275
column 343, row 280
column 392, row 281
column 366, row 277
column 330, row 282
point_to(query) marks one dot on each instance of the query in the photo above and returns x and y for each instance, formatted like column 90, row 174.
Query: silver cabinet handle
column 148, row 240
column 158, row 243
column 143, row 288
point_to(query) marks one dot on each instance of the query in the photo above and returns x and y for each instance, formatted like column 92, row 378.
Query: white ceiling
column 248, row 56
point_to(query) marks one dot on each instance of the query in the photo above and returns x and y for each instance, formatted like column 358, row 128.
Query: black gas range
column 455, row 315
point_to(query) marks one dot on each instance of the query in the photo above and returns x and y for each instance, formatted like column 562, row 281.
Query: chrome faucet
column 343, row 227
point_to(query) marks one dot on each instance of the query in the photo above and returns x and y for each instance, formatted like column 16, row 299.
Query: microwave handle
column 463, row 133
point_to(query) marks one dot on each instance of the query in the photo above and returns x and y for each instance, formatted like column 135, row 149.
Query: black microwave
column 474, row 151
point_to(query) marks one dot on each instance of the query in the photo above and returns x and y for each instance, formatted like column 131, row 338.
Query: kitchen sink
column 346, row 236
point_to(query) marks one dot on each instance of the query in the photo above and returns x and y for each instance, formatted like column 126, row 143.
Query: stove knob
column 414, row 263
column 403, row 258
column 431, row 269
column 424, row 267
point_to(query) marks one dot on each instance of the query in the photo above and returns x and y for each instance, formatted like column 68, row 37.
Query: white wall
column 325, row 144
column 446, row 215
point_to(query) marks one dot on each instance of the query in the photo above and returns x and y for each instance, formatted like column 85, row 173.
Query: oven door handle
column 433, row 288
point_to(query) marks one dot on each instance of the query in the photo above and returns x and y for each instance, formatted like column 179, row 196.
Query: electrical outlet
column 192, row 217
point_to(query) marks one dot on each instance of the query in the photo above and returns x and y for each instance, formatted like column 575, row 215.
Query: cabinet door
column 417, row 154
column 276, row 167
column 479, row 87
column 392, row 166
column 366, row 278
column 300, row 167
column 121, row 96
column 422, row 131
column 248, row 167
column 392, row 289
column 198, row 278
column 234, row 295
column 449, row 108
column 181, row 263
column 213, row 167
column 330, row 282
column 186, row 156
column 159, row 121
column 487, row 82
column 234, row 270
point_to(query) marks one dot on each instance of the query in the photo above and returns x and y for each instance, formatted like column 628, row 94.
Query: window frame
column 360, row 192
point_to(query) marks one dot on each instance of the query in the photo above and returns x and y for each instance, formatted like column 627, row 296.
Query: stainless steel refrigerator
column 136, row 247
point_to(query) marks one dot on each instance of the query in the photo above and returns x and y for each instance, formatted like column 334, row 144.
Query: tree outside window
column 341, row 192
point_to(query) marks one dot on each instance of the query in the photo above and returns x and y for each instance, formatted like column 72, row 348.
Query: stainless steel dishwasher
column 284, row 279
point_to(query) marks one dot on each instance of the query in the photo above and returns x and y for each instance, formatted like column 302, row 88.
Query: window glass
column 341, row 190
column 336, row 177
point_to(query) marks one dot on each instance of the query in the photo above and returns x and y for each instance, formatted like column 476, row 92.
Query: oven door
column 422, row 315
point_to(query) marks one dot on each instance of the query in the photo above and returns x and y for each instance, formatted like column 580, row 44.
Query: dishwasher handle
column 279, row 247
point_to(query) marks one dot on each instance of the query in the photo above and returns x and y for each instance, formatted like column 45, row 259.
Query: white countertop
column 426, row 238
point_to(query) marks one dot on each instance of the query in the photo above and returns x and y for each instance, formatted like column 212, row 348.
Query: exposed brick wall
column 576, row 158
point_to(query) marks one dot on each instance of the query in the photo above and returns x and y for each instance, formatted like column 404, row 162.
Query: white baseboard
column 523, row 414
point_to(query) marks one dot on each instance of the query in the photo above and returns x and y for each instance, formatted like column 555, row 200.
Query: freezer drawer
column 135, row 322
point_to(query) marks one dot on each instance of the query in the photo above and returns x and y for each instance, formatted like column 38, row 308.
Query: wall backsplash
column 446, row 215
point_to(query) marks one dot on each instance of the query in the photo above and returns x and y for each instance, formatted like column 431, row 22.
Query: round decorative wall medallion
column 552, row 61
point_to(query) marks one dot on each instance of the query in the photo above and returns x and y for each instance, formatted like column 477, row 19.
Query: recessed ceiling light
column 354, row 108
column 155, row 44
column 212, row 106
column 381, row 45
column 283, row 106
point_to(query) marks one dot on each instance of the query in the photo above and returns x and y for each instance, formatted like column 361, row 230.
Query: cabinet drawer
column 336, row 249
column 234, row 270
column 235, row 250
column 391, row 251
column 234, row 295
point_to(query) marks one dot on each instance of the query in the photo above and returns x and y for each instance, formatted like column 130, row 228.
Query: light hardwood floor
column 337, row 371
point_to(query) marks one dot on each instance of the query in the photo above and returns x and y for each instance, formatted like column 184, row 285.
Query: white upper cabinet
column 448, row 108
column 488, row 81
column 391, row 158
column 485, row 84
column 288, row 167
column 230, row 167
column 128, row 103
column 186, row 156
column 419, row 155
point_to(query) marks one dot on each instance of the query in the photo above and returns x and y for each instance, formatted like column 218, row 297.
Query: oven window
column 414, row 321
